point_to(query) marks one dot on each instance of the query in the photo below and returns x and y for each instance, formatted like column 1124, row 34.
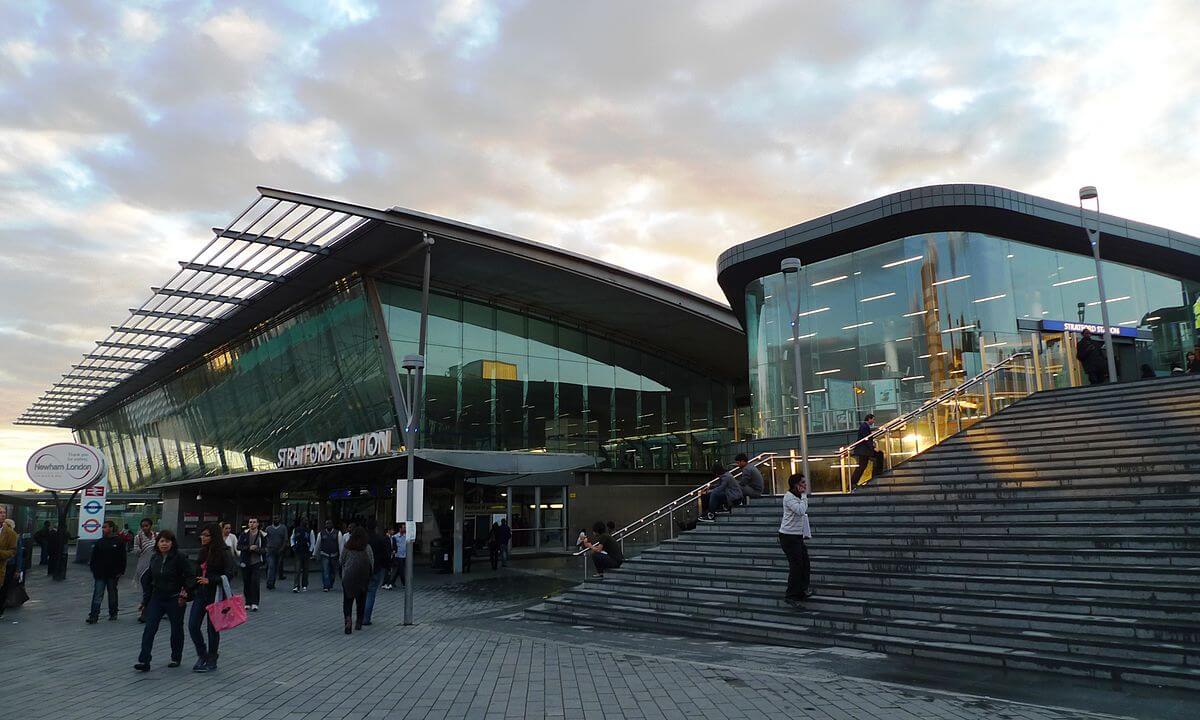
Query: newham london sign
column 66, row 466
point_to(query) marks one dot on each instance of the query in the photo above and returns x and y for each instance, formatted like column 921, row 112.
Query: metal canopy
column 287, row 247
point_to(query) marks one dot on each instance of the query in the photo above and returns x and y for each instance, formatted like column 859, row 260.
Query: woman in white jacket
column 793, row 531
column 143, row 550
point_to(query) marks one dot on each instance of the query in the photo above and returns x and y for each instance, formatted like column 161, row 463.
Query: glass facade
column 886, row 328
column 500, row 379
column 317, row 375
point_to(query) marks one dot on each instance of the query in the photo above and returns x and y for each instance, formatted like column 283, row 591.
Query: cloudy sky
column 648, row 134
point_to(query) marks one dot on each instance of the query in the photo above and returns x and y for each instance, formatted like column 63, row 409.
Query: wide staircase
column 1062, row 533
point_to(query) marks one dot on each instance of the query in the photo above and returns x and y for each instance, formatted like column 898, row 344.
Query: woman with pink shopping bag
column 212, row 600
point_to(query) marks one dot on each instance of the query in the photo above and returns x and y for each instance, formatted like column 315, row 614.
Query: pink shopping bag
column 228, row 613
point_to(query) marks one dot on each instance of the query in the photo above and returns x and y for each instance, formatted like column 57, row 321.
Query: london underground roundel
column 66, row 466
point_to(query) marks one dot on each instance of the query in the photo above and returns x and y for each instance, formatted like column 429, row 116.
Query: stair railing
column 947, row 414
column 679, row 504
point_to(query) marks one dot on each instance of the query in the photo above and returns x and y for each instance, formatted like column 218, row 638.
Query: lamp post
column 789, row 267
column 414, row 377
column 1088, row 192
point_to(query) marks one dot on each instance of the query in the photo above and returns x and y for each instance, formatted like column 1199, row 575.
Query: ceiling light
column 875, row 364
column 1072, row 282
column 998, row 344
column 1111, row 300
column 878, row 297
column 914, row 314
column 913, row 377
column 830, row 280
column 858, row 325
column 905, row 260
column 990, row 298
column 957, row 329
column 1152, row 318
column 950, row 280
column 814, row 392
column 827, row 372
column 806, row 313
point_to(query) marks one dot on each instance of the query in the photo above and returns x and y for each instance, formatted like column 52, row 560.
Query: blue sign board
column 1078, row 327
column 93, row 506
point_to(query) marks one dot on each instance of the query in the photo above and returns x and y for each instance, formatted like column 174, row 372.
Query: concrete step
column 1182, row 632
column 997, row 596
column 962, row 650
column 943, row 524
column 1183, row 590
column 1048, row 566
column 935, row 538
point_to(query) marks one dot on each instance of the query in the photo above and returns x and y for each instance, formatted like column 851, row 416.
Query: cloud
column 651, row 135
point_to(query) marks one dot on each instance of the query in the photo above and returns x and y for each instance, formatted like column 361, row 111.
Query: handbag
column 16, row 595
column 228, row 613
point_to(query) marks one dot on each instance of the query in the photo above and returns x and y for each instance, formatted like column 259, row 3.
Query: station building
column 558, row 389
column 903, row 297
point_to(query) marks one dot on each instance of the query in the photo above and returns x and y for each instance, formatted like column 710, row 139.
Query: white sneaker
column 304, row 589
column 253, row 608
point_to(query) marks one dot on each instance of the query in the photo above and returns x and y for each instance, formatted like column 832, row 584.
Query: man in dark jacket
column 251, row 548
column 866, row 452
column 108, row 565
column 1093, row 358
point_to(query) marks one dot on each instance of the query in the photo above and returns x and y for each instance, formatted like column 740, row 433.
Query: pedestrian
column 606, row 552
column 493, row 543
column 505, row 541
column 212, row 584
column 1093, row 358
column 276, row 541
column 389, row 577
column 304, row 547
column 865, row 452
column 252, row 546
column 108, row 565
column 9, row 560
column 127, row 538
column 329, row 548
column 381, row 550
column 40, row 537
column 357, row 562
column 723, row 494
column 399, row 555
column 166, row 585
column 230, row 541
column 143, row 551
column 793, row 531
column 751, row 480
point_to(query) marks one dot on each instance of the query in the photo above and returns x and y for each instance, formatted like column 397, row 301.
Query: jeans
column 302, row 570
column 273, row 567
column 504, row 553
column 197, row 617
column 350, row 601
column 99, row 586
column 713, row 500
column 798, row 569
column 158, row 607
column 328, row 568
column 372, row 591
column 603, row 562
column 250, row 587
column 396, row 571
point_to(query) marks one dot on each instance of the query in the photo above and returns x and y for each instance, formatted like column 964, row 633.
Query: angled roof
column 974, row 208
column 286, row 247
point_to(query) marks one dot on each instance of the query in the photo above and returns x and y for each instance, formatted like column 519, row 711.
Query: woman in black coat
column 165, row 587
column 213, row 571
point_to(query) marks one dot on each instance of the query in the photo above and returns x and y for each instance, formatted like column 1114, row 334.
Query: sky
column 650, row 135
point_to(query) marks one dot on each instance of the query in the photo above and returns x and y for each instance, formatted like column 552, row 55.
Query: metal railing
column 683, row 504
column 937, row 419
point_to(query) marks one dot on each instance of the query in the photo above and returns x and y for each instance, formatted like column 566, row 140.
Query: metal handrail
column 939, row 400
column 681, row 501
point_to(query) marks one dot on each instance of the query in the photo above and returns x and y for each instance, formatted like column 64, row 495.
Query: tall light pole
column 1088, row 192
column 790, row 267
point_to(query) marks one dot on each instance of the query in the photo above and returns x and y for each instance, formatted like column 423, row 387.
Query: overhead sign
column 1078, row 327
column 66, row 466
column 91, row 511
column 354, row 447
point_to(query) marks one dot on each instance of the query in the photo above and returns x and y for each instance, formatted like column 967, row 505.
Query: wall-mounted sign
column 1078, row 327
column 66, row 466
column 354, row 447
column 91, row 511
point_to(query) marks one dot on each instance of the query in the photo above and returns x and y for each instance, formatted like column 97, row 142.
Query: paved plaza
column 472, row 655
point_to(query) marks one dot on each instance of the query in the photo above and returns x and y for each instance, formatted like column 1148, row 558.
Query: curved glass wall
column 499, row 379
column 885, row 328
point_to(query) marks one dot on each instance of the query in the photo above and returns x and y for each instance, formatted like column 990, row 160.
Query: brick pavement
column 470, row 656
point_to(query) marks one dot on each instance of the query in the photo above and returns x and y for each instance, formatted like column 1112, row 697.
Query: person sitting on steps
column 723, row 494
column 606, row 552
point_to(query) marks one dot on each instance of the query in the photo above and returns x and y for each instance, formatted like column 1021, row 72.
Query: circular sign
column 65, row 466
column 92, row 507
column 91, row 525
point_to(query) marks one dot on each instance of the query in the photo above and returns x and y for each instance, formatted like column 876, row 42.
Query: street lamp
column 1088, row 192
column 791, row 266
